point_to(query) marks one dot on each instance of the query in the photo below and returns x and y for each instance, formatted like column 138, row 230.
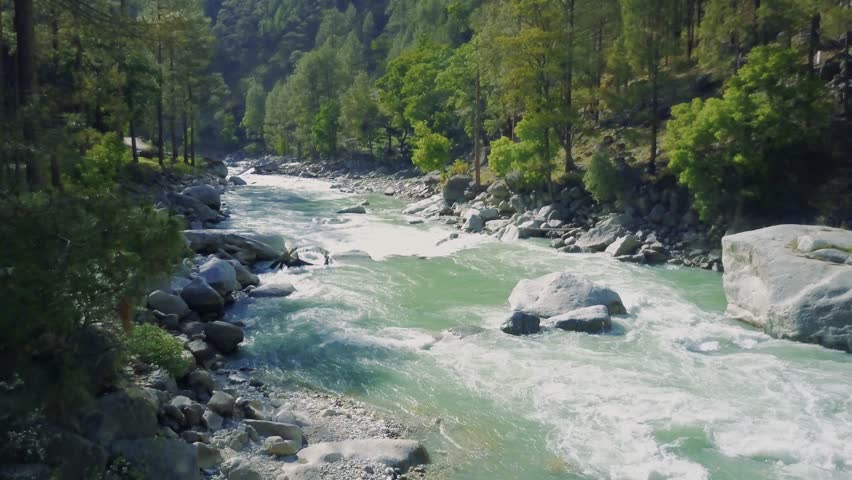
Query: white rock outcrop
column 776, row 279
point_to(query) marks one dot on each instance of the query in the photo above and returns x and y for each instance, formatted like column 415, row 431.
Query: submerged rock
column 354, row 209
column 269, row 290
column 558, row 293
column 772, row 282
column 520, row 323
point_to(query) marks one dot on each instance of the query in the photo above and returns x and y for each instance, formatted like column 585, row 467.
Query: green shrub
column 252, row 148
column 459, row 167
column 755, row 146
column 531, row 158
column 151, row 344
column 102, row 164
column 431, row 150
column 603, row 179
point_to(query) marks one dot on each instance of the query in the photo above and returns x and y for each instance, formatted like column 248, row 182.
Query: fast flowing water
column 676, row 391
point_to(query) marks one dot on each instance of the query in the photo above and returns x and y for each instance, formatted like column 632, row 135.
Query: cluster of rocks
column 576, row 224
column 658, row 226
column 565, row 302
column 793, row 281
column 195, row 199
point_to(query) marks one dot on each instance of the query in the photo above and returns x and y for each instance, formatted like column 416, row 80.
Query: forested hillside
column 536, row 85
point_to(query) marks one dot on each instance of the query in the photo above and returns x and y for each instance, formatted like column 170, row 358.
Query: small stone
column 280, row 447
column 213, row 420
column 201, row 350
column 221, row 403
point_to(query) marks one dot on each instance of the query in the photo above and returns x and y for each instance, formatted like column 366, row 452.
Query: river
column 676, row 391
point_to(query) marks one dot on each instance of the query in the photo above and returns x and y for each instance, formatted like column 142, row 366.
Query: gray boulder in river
column 558, row 293
column 779, row 279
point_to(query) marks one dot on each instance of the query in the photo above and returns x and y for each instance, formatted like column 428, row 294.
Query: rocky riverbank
column 659, row 227
column 215, row 418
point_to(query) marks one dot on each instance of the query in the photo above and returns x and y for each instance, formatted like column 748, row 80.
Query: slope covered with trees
column 76, row 79
column 531, row 86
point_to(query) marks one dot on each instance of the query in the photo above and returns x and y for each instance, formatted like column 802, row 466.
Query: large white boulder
column 774, row 281
column 559, row 293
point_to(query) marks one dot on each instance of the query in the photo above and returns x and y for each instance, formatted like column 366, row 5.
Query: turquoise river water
column 677, row 391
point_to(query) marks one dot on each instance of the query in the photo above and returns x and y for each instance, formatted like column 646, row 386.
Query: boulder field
column 793, row 281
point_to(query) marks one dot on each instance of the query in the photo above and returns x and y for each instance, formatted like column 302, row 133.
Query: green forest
column 737, row 100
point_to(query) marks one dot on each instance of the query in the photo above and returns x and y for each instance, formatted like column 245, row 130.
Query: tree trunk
column 55, row 167
column 813, row 42
column 191, row 139
column 172, row 114
column 192, row 142
column 690, row 27
column 185, row 139
column 477, row 132
column 25, row 36
column 161, row 154
column 599, row 71
column 652, row 164
column 133, row 146
column 847, row 85
column 4, row 84
column 55, row 172
column 569, row 94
